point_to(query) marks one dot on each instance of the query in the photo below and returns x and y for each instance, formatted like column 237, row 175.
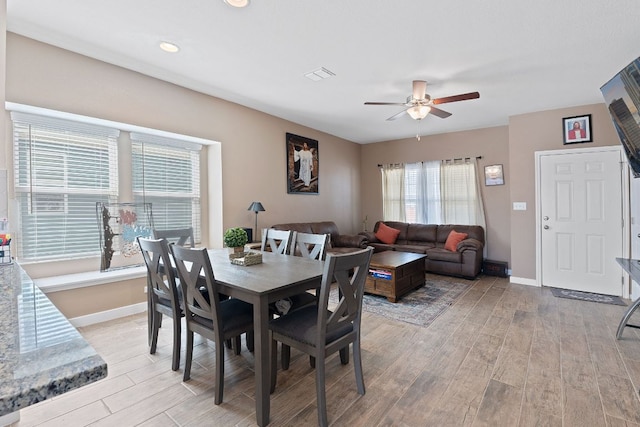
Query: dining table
column 277, row 277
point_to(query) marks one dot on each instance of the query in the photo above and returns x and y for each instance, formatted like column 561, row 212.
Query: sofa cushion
column 381, row 247
column 452, row 241
column 417, row 249
column 387, row 234
column 439, row 254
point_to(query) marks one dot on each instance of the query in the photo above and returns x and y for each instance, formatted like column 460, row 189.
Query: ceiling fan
column 419, row 104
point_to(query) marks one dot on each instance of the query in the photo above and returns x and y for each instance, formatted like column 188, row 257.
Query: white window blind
column 166, row 173
column 62, row 168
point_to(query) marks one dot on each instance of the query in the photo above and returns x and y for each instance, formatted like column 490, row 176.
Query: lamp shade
column 256, row 207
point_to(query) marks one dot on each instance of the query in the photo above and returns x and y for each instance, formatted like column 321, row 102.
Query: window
column 166, row 173
column 62, row 168
column 433, row 193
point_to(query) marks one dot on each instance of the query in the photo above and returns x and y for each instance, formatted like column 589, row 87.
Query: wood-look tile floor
column 502, row 355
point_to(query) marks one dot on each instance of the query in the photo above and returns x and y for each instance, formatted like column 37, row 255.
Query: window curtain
column 393, row 208
column 460, row 190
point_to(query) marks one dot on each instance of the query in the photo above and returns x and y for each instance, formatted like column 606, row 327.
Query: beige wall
column 533, row 132
column 252, row 143
column 253, row 152
column 490, row 143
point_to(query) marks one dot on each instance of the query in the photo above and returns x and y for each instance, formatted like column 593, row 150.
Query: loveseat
column 464, row 260
column 338, row 243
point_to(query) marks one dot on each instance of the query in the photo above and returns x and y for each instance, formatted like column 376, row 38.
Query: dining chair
column 179, row 236
column 313, row 246
column 276, row 241
column 184, row 237
column 212, row 318
column 319, row 332
column 165, row 296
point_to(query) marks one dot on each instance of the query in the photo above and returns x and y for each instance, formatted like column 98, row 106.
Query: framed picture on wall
column 302, row 165
column 493, row 175
column 577, row 129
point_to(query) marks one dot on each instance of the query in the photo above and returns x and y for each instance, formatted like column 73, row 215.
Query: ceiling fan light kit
column 419, row 112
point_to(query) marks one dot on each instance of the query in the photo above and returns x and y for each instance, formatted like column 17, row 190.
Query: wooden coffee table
column 393, row 274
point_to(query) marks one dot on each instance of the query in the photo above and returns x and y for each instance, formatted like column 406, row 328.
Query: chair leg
column 274, row 364
column 320, row 393
column 357, row 366
column 344, row 355
column 175, row 364
column 228, row 343
column 219, row 372
column 235, row 345
column 155, row 327
column 250, row 342
column 312, row 362
column 285, row 355
column 188, row 356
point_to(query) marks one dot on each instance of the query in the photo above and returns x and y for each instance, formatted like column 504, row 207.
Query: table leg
column 626, row 317
column 262, row 364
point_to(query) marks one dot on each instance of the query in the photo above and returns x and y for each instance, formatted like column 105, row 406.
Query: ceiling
column 522, row 56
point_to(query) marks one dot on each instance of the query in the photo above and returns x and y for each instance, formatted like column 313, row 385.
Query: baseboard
column 523, row 281
column 104, row 316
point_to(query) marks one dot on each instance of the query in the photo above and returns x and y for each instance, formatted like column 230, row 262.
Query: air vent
column 319, row 74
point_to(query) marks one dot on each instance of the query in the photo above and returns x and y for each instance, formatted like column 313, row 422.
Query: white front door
column 581, row 220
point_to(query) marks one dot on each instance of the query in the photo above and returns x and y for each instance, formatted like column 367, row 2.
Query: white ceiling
column 522, row 56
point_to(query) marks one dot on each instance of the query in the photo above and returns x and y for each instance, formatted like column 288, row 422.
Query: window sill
column 88, row 279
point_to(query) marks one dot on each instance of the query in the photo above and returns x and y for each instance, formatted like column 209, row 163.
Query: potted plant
column 235, row 238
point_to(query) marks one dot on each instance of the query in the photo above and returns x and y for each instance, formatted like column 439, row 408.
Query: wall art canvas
column 302, row 165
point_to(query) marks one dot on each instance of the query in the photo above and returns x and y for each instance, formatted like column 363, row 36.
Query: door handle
column 546, row 227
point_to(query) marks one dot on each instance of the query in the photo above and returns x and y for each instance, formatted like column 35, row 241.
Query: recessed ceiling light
column 169, row 47
column 237, row 3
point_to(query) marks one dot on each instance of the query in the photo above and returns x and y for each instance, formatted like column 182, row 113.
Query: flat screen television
column 622, row 96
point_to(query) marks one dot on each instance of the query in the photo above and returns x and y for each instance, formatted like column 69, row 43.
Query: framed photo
column 493, row 175
column 302, row 165
column 577, row 129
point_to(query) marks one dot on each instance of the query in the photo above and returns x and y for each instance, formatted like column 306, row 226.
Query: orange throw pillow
column 452, row 241
column 387, row 234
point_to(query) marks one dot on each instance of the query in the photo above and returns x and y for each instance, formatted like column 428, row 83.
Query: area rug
column 419, row 307
column 587, row 296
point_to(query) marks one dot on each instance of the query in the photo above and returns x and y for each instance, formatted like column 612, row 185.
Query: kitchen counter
column 41, row 354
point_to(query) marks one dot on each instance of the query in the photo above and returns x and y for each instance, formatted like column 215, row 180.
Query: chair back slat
column 194, row 271
column 180, row 236
column 276, row 241
column 308, row 245
column 161, row 281
column 350, row 272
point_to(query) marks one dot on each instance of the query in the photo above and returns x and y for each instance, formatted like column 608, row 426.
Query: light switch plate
column 519, row 206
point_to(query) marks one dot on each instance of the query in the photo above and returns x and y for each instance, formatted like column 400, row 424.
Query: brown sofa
column 338, row 243
column 429, row 239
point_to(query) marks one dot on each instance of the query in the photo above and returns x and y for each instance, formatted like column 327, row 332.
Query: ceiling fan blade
column 455, row 98
column 439, row 113
column 419, row 89
column 384, row 103
column 397, row 116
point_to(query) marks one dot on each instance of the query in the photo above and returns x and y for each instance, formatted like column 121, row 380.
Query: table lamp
column 256, row 207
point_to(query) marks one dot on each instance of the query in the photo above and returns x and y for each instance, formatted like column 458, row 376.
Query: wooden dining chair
column 313, row 246
column 178, row 236
column 319, row 332
column 165, row 296
column 212, row 318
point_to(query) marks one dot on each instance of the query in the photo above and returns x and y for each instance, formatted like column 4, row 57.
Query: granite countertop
column 41, row 354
